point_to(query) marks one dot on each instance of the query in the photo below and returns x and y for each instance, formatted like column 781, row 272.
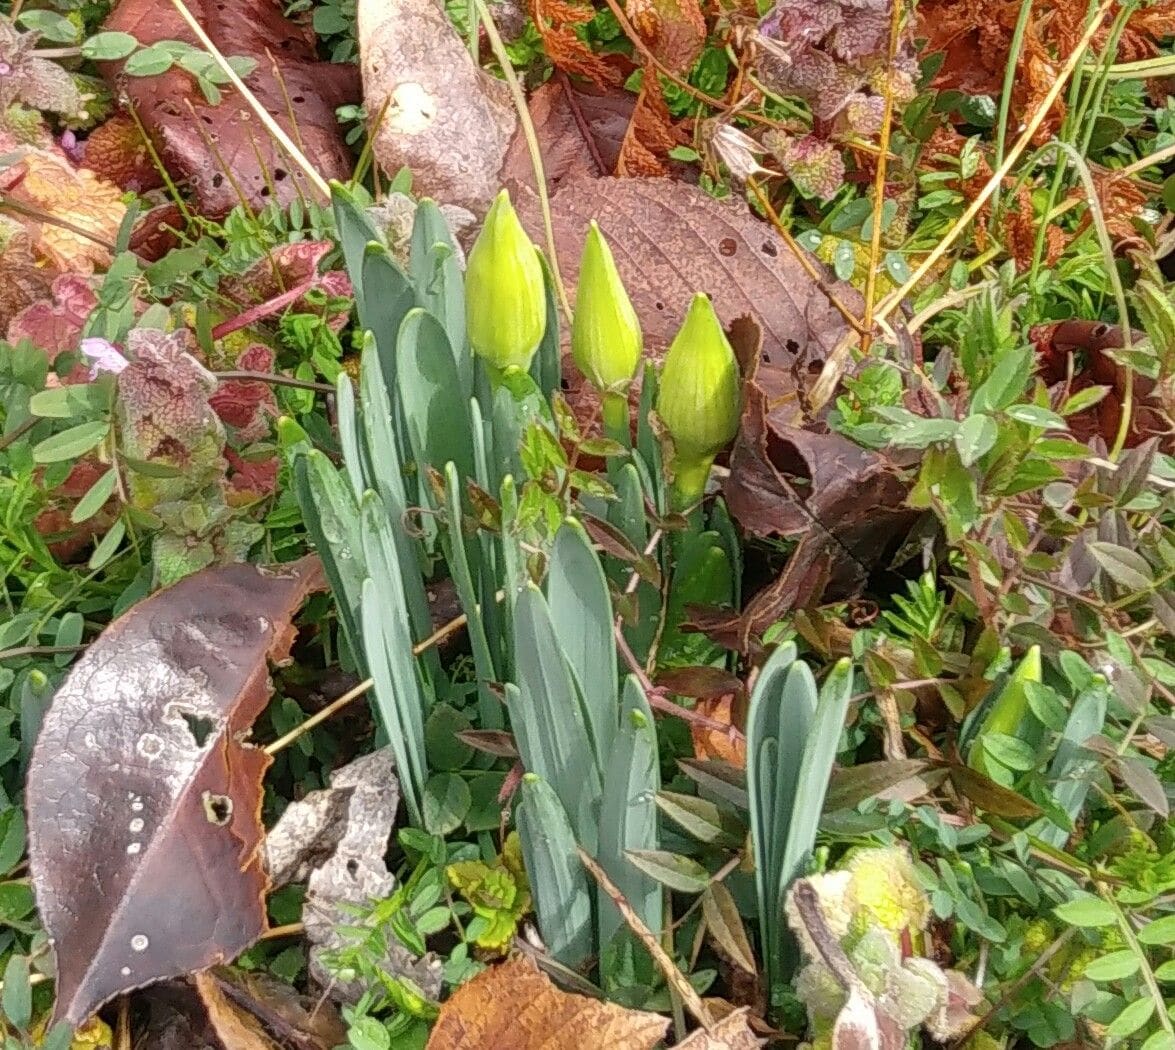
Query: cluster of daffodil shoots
column 698, row 394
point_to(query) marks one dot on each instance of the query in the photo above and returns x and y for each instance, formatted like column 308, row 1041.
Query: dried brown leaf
column 224, row 148
column 726, row 925
column 143, row 795
column 672, row 240
column 990, row 796
column 580, row 130
column 893, row 778
column 227, row 1010
column 48, row 183
column 844, row 502
column 335, row 841
column 262, row 1005
column 513, row 1006
column 711, row 743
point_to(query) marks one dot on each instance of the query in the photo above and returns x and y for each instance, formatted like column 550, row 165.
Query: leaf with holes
column 678, row 241
column 144, row 797
column 222, row 149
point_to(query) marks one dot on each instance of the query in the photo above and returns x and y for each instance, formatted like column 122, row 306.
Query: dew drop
column 125, row 971
column 139, row 942
column 134, row 848
column 136, row 806
column 136, row 825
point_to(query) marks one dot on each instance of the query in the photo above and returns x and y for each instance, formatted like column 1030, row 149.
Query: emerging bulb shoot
column 505, row 294
column 698, row 398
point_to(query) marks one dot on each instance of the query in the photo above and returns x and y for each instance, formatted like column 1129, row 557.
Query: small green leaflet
column 1087, row 910
column 975, row 437
column 95, row 498
column 71, row 443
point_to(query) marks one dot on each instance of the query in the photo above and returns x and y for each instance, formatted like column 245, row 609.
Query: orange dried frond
column 1019, row 233
column 561, row 12
column 555, row 21
column 650, row 134
column 1121, row 200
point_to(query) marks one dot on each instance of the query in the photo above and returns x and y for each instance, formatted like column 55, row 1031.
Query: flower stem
column 615, row 413
column 689, row 481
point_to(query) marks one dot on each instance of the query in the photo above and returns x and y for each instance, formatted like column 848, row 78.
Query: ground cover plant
column 588, row 525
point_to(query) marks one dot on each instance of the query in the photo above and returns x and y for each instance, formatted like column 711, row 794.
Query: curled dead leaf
column 143, row 794
column 733, row 1032
column 845, row 503
column 335, row 840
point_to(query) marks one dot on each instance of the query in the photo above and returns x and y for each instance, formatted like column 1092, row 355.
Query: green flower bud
column 698, row 398
column 505, row 295
column 1007, row 710
column 605, row 333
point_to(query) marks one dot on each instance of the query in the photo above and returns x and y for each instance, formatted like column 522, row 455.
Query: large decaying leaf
column 431, row 108
column 514, row 1007
column 672, row 240
column 144, row 796
column 223, row 150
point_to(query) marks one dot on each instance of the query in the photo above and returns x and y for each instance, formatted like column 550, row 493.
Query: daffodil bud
column 605, row 332
column 505, row 295
column 698, row 397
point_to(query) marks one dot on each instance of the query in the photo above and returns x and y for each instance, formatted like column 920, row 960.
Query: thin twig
column 38, row 650
column 275, row 380
column 438, row 636
column 8, row 204
column 302, row 728
column 19, row 432
column 658, row 701
column 1037, row 966
column 585, row 132
column 673, row 976
column 290, row 929
column 266, row 118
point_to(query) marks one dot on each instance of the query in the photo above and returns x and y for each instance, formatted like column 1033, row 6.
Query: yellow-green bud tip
column 698, row 399
column 605, row 332
column 505, row 295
